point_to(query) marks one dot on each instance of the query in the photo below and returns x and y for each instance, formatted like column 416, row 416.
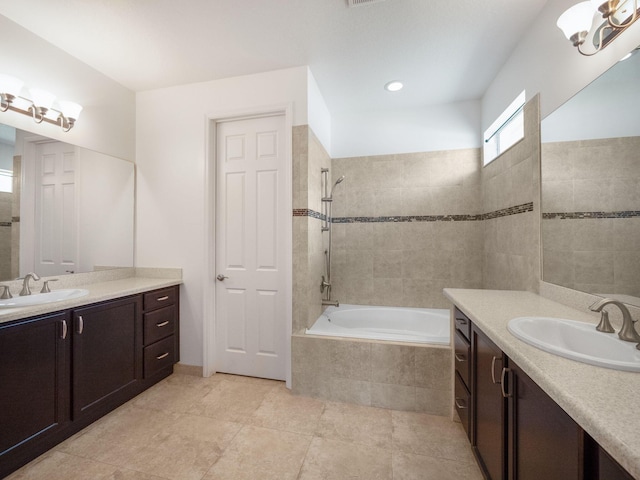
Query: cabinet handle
column 64, row 329
column 164, row 355
column 162, row 299
column 460, row 357
column 163, row 324
column 461, row 321
column 493, row 369
column 80, row 325
column 502, row 375
column 460, row 403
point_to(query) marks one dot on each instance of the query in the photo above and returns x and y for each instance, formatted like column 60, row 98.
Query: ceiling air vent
column 358, row 3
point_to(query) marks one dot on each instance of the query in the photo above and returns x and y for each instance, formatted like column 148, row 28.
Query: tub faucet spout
column 334, row 303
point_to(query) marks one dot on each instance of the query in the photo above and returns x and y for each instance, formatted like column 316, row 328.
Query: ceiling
column 443, row 51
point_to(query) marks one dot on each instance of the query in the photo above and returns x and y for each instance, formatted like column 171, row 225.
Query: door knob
column 221, row 277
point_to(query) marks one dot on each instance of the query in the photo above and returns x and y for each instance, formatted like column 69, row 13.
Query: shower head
column 335, row 184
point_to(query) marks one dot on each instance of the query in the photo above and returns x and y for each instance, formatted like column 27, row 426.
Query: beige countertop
column 98, row 292
column 604, row 402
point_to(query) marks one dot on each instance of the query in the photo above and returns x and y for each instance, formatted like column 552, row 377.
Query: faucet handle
column 6, row 293
column 605, row 324
column 45, row 285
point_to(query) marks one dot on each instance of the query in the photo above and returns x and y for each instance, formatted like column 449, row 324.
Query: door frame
column 209, row 320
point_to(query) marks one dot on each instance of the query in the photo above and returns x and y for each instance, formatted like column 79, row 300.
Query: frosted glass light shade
column 70, row 109
column 597, row 3
column 10, row 85
column 576, row 19
column 42, row 98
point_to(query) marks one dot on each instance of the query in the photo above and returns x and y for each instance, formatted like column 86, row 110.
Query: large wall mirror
column 63, row 209
column 591, row 187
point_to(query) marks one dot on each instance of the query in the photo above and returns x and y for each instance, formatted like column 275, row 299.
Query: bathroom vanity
column 530, row 414
column 61, row 370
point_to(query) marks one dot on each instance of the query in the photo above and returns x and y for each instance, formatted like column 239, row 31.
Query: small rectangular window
column 6, row 181
column 506, row 131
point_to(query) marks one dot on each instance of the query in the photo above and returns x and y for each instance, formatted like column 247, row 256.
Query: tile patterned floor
column 238, row 428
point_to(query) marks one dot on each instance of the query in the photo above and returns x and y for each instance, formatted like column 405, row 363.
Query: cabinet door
column 107, row 355
column 489, row 428
column 34, row 398
column 544, row 441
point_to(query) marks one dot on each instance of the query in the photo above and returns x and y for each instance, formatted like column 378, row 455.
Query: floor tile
column 60, row 466
column 356, row 424
column 407, row 466
column 430, row 435
column 232, row 400
column 281, row 410
column 176, row 396
column 336, row 460
column 261, row 453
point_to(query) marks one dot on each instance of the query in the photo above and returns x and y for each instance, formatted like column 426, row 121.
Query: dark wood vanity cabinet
column 107, row 355
column 543, row 440
column 62, row 371
column 518, row 432
column 34, row 386
column 488, row 406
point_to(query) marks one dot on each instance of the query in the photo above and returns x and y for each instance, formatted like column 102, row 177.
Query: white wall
column 545, row 62
column 107, row 123
column 318, row 113
column 443, row 127
column 171, row 137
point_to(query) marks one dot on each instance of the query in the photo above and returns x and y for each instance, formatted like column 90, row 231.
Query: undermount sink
column 42, row 298
column 578, row 341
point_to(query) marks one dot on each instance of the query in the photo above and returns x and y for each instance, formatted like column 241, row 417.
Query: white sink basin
column 577, row 341
column 42, row 298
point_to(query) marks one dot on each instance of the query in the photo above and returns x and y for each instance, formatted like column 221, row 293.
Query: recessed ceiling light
column 393, row 86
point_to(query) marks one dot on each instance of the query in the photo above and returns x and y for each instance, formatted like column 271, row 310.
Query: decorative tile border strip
column 526, row 207
column 306, row 212
column 15, row 219
column 583, row 215
column 505, row 212
column 5, row 224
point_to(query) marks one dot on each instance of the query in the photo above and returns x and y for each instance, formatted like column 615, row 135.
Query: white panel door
column 250, row 247
column 56, row 233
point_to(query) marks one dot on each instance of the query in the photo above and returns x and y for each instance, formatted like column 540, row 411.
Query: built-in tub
column 399, row 324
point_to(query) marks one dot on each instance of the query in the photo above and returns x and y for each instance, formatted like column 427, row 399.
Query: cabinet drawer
column 463, row 404
column 463, row 324
column 159, row 298
column 462, row 353
column 159, row 356
column 159, row 324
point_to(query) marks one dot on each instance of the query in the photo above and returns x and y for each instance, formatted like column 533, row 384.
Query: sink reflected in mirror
column 43, row 298
column 578, row 341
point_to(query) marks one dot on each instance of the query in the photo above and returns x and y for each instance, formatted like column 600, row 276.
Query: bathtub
column 398, row 324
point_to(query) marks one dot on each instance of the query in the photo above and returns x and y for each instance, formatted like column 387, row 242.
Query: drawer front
column 159, row 355
column 463, row 404
column 462, row 354
column 159, row 324
column 159, row 298
column 463, row 324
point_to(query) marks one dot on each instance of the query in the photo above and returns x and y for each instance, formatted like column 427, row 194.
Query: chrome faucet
column 25, row 285
column 628, row 332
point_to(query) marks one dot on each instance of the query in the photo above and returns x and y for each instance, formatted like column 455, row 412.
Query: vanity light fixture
column 38, row 106
column 612, row 17
column 393, row 86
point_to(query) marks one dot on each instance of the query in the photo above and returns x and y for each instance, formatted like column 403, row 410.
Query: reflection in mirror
column 63, row 209
column 591, row 187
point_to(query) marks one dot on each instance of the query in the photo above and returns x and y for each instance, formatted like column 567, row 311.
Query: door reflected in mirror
column 591, row 187
column 64, row 209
